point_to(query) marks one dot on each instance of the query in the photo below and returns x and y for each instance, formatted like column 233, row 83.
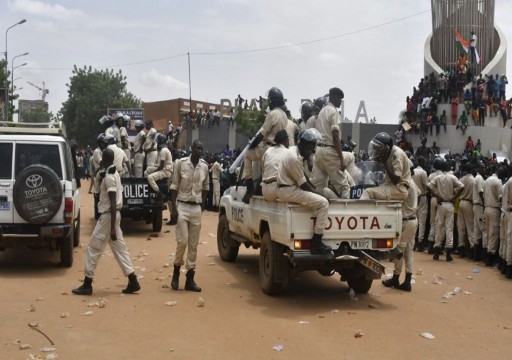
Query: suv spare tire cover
column 37, row 194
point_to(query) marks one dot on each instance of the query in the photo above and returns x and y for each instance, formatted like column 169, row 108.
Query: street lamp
column 12, row 69
column 6, row 94
column 12, row 77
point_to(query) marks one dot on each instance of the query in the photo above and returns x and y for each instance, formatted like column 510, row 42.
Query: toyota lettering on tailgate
column 352, row 223
column 135, row 191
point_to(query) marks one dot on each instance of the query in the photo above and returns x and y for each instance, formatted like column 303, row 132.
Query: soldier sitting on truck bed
column 164, row 169
column 270, row 165
column 293, row 186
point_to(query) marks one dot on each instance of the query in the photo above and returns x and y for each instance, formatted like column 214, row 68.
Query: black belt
column 148, row 151
column 188, row 202
column 283, row 185
column 266, row 182
column 324, row 145
column 270, row 143
column 471, row 201
column 409, row 218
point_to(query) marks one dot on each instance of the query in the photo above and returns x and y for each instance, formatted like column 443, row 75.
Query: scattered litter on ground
column 476, row 271
column 335, row 311
column 31, row 308
column 359, row 333
column 469, row 277
column 170, row 303
column 437, row 279
column 40, row 299
column 278, row 347
column 35, row 326
column 352, row 295
column 457, row 290
column 25, row 346
column 47, row 349
column 303, row 322
column 153, row 235
column 200, row 302
column 467, row 292
column 64, row 293
column 88, row 313
column 373, row 306
column 64, row 315
column 419, row 272
column 427, row 335
column 165, row 286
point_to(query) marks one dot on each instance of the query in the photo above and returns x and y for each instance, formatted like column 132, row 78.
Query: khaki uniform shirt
column 120, row 157
column 150, row 139
column 433, row 175
column 492, row 191
column 292, row 130
column 311, row 122
column 165, row 155
column 468, row 181
column 190, row 181
column 478, row 187
column 124, row 133
column 110, row 183
column 216, row 170
column 420, row 179
column 400, row 165
column 270, row 162
column 275, row 121
column 114, row 131
column 445, row 186
column 138, row 141
column 290, row 170
column 507, row 195
column 329, row 119
column 410, row 205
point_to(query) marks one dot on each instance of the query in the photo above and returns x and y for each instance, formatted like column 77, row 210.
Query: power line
column 231, row 52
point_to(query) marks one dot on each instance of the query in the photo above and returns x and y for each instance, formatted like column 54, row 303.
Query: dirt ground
column 315, row 319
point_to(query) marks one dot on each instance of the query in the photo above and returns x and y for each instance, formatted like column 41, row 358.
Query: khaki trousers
column 503, row 235
column 433, row 214
column 422, row 217
column 327, row 168
column 508, row 251
column 386, row 192
column 479, row 225
column 151, row 158
column 216, row 192
column 406, row 245
column 492, row 229
column 465, row 223
column 138, row 164
column 269, row 191
column 253, row 155
column 158, row 175
column 317, row 203
column 187, row 234
column 444, row 225
column 99, row 239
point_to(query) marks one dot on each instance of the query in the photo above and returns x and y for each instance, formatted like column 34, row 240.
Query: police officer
column 328, row 165
column 150, row 146
column 318, row 105
column 216, row 170
column 113, row 129
column 189, row 189
column 465, row 216
column 124, row 139
column 96, row 159
column 420, row 179
column 397, row 176
column 108, row 230
column 437, row 165
column 139, row 155
column 478, row 213
column 276, row 120
column 292, row 186
column 121, row 161
column 306, row 111
column 492, row 197
column 445, row 187
column 164, row 169
column 507, row 208
column 270, row 163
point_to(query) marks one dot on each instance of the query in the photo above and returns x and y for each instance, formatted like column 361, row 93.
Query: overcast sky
column 371, row 49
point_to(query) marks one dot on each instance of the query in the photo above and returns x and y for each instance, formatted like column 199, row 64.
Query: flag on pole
column 463, row 45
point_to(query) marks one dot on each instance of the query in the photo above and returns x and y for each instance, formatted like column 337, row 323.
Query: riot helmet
column 306, row 110
column 380, row 146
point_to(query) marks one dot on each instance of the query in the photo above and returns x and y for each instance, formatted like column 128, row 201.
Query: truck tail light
column 383, row 243
column 301, row 244
column 68, row 210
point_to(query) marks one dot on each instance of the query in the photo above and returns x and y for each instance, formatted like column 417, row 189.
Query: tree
column 90, row 94
column 249, row 121
column 37, row 116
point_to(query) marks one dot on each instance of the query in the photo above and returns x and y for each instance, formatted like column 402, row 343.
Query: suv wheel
column 66, row 251
column 76, row 232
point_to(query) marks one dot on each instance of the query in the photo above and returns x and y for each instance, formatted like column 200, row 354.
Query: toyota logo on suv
column 34, row 181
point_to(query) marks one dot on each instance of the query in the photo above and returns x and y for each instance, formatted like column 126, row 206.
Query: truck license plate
column 371, row 263
column 5, row 205
column 360, row 244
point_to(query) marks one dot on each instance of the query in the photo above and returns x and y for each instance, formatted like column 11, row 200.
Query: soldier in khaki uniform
column 478, row 213
column 276, row 120
column 121, row 161
column 270, row 162
column 445, row 187
column 406, row 244
column 437, row 165
column 139, row 156
column 502, row 265
column 164, row 169
column 465, row 216
column 318, row 104
column 492, row 198
column 507, row 207
column 292, row 186
column 149, row 145
column 397, row 176
column 189, row 188
column 216, row 170
column 329, row 166
column 420, row 178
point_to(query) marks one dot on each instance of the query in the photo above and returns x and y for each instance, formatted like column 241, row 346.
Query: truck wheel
column 37, row 194
column 273, row 265
column 157, row 220
column 227, row 247
column 66, row 251
column 76, row 232
column 360, row 285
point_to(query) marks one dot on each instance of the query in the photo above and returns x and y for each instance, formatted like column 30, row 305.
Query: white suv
column 39, row 195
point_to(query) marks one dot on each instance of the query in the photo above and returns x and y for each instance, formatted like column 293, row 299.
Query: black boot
column 437, row 252
column 175, row 282
column 430, row 247
column 133, row 284
column 393, row 282
column 85, row 289
column 190, row 285
column 449, row 255
column 484, row 254
column 478, row 252
column 318, row 247
column 503, row 268
column 406, row 285
column 489, row 259
column 250, row 190
column 470, row 253
column 461, row 251
column 508, row 273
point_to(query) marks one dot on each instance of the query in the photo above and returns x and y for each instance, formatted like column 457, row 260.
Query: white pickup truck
column 360, row 232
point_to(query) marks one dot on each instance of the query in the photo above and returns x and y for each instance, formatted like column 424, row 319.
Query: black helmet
column 380, row 146
column 346, row 147
column 311, row 135
column 100, row 137
column 438, row 163
column 161, row 139
column 275, row 97
column 139, row 125
column 109, row 139
column 319, row 103
column 306, row 110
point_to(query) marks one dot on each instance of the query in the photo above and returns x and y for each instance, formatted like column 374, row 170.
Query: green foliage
column 249, row 121
column 90, row 94
column 37, row 116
